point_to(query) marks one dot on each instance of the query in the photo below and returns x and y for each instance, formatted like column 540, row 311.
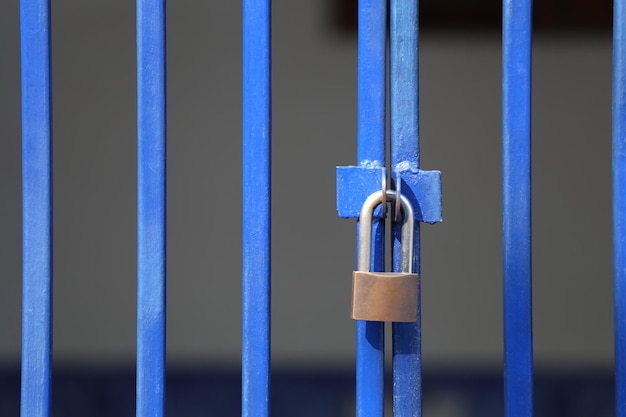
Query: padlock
column 385, row 296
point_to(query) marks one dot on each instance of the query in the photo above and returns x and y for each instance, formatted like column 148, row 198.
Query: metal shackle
column 365, row 230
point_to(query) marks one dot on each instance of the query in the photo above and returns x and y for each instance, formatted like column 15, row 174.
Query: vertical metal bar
column 372, row 50
column 372, row 82
column 37, row 208
column 619, row 201
column 404, row 84
column 407, row 346
column 516, row 193
column 151, row 222
column 256, row 208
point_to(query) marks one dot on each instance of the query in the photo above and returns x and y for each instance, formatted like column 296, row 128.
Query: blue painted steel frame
column 256, row 207
column 37, row 209
column 151, row 215
column 370, row 345
column 407, row 346
column 516, row 192
column 619, row 201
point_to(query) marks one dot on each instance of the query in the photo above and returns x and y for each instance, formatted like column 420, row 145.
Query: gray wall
column 314, row 130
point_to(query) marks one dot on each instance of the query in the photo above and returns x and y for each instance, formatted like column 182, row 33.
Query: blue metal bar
column 619, row 201
column 407, row 346
column 404, row 85
column 372, row 82
column 256, row 208
column 151, row 227
column 516, row 193
column 37, row 209
column 372, row 49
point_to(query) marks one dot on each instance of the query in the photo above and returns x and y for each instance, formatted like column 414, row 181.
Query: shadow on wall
column 481, row 15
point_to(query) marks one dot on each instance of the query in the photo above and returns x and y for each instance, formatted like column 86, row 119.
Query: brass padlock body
column 384, row 296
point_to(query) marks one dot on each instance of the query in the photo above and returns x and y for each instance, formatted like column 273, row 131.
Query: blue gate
column 375, row 171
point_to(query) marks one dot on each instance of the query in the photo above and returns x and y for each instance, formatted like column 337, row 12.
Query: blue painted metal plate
column 423, row 188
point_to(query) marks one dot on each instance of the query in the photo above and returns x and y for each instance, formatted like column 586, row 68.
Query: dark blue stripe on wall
column 151, row 216
column 256, row 208
column 323, row 391
column 37, row 209
column 516, row 194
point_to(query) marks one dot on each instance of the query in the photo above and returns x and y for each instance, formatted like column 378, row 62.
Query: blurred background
column 314, row 130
